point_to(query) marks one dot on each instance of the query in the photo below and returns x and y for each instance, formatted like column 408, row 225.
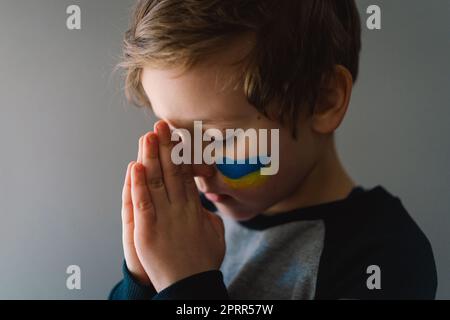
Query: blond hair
column 297, row 43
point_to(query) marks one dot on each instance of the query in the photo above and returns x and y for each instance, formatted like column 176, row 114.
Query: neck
column 327, row 181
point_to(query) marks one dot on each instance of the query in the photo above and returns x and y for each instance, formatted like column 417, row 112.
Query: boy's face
column 200, row 94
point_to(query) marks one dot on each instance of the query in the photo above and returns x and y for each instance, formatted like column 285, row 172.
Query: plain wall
column 67, row 134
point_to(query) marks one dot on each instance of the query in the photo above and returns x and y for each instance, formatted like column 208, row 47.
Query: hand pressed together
column 167, row 234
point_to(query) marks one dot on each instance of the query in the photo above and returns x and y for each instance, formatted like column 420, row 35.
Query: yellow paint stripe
column 251, row 180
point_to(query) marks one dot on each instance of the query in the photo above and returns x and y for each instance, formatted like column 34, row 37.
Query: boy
column 306, row 232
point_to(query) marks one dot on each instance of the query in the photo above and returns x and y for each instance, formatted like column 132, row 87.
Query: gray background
column 67, row 133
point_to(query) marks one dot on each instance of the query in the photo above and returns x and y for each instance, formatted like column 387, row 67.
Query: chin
column 238, row 214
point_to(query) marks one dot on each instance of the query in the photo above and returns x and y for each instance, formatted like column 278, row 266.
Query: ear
column 333, row 101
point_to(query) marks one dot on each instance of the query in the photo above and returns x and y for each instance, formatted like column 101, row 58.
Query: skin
column 161, row 212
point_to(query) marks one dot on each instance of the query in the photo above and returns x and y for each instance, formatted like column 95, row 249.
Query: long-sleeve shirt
column 366, row 246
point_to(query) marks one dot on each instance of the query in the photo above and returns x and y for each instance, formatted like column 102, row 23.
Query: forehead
column 198, row 94
column 205, row 92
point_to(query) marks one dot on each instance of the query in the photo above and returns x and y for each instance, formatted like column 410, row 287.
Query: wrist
column 162, row 282
column 138, row 275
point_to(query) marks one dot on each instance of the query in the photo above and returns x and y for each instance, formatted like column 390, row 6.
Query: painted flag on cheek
column 242, row 175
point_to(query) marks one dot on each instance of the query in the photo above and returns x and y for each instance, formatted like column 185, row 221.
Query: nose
column 203, row 170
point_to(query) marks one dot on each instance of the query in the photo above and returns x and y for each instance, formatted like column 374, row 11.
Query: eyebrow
column 221, row 121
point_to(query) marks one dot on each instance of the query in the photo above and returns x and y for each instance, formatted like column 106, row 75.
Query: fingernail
column 159, row 126
column 151, row 138
column 155, row 125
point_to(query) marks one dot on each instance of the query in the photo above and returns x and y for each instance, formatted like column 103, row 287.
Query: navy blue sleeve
column 206, row 285
column 387, row 238
column 130, row 289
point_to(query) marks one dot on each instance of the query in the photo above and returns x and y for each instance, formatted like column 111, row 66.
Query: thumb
column 217, row 223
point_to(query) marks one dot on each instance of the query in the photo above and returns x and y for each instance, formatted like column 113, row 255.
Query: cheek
column 265, row 189
column 239, row 176
column 252, row 180
column 253, row 200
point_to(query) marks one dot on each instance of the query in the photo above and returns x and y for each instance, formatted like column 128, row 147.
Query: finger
column 154, row 175
column 144, row 212
column 202, row 170
column 190, row 186
column 128, row 222
column 172, row 173
column 139, row 157
column 217, row 224
column 131, row 258
column 127, row 203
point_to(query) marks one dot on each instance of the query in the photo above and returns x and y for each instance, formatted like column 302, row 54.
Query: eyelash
column 223, row 131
